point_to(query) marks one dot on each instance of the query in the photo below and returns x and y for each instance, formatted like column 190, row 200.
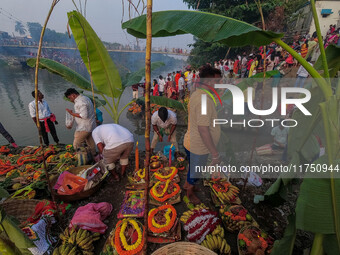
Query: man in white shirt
column 302, row 75
column 164, row 122
column 84, row 116
column 280, row 137
column 46, row 118
column 161, row 84
column 115, row 143
column 181, row 85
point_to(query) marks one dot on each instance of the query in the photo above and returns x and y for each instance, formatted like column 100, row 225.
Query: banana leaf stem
column 320, row 41
column 317, row 248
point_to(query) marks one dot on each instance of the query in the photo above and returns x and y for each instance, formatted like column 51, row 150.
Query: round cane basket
column 187, row 248
column 20, row 209
column 80, row 195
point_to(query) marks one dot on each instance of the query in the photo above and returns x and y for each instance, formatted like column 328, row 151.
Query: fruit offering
column 200, row 223
column 225, row 192
column 236, row 217
column 252, row 240
column 165, row 192
column 76, row 241
column 128, row 237
column 162, row 219
column 216, row 243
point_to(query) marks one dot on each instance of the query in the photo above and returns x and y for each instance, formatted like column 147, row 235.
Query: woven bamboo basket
column 80, row 195
column 20, row 209
column 187, row 248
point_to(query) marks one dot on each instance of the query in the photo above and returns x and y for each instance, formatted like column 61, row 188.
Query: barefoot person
column 84, row 116
column 46, row 118
column 115, row 143
column 201, row 137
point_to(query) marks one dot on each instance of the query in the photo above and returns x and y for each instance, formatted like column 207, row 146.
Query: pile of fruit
column 225, row 192
column 252, row 240
column 236, row 217
column 76, row 241
column 135, row 109
column 216, row 242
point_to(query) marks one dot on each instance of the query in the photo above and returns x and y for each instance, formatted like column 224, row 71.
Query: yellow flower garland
column 141, row 171
column 164, row 190
column 167, row 217
column 166, row 176
column 126, row 246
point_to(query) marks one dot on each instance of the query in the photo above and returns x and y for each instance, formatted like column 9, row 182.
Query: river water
column 16, row 85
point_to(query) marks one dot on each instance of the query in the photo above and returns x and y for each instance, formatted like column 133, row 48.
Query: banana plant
column 318, row 205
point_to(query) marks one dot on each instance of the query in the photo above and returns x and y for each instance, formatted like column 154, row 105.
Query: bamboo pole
column 147, row 113
column 54, row 2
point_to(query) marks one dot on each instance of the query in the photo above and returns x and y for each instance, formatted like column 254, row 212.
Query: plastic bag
column 90, row 217
column 71, row 184
column 69, row 119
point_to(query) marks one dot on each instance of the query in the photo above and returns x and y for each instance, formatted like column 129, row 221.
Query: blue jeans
column 300, row 81
column 194, row 160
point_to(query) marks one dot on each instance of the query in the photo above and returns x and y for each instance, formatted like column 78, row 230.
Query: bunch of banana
column 217, row 244
column 186, row 215
column 233, row 225
column 230, row 195
column 219, row 230
column 76, row 242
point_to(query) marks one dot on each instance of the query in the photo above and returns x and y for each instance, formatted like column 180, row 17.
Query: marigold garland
column 141, row 173
column 170, row 221
column 120, row 239
column 160, row 197
column 170, row 176
column 225, row 188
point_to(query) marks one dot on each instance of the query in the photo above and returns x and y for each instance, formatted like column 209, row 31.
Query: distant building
column 328, row 13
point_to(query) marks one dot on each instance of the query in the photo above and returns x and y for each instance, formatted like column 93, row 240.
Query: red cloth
column 155, row 90
column 236, row 66
column 44, row 208
column 178, row 75
column 52, row 118
column 249, row 64
column 90, row 217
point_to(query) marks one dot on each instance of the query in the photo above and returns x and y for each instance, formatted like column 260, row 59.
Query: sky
column 104, row 16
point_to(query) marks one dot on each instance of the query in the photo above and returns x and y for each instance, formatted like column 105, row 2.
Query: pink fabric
column 60, row 180
column 90, row 217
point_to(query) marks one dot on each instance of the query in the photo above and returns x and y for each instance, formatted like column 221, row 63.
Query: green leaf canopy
column 333, row 60
column 205, row 26
column 104, row 72
column 63, row 71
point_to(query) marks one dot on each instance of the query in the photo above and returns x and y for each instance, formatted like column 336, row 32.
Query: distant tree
column 20, row 28
column 34, row 29
column 51, row 36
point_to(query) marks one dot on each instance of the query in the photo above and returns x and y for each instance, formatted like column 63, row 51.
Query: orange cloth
column 304, row 50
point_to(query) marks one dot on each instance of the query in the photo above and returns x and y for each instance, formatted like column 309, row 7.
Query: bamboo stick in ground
column 147, row 114
column 54, row 2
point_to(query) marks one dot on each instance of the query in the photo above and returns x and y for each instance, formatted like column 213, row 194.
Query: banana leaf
column 166, row 102
column 205, row 26
column 330, row 245
column 314, row 210
column 104, row 72
column 333, row 60
column 297, row 135
column 63, row 71
column 285, row 246
column 133, row 78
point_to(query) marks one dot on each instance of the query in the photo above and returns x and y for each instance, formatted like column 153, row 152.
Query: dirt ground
column 271, row 219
